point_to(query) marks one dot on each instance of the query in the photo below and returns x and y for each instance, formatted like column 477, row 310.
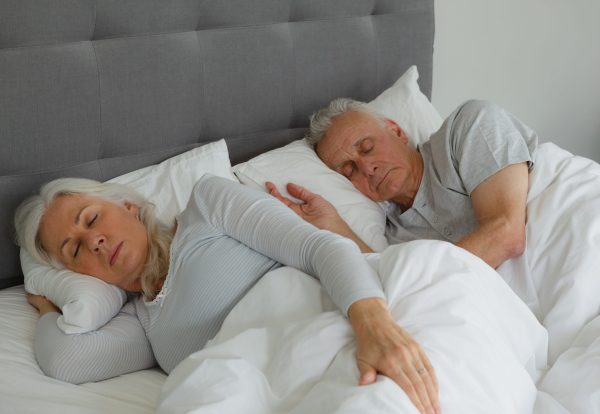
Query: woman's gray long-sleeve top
column 228, row 237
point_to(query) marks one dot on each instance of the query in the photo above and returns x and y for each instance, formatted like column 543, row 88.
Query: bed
column 105, row 89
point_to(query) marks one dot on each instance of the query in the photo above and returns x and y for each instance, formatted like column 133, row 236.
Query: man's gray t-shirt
column 476, row 141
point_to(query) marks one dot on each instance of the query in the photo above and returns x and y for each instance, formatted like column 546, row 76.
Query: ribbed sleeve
column 117, row 348
column 269, row 227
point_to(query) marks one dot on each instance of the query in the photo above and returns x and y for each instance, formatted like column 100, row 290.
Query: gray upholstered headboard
column 96, row 88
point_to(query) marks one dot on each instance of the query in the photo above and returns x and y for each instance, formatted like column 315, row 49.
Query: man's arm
column 318, row 212
column 500, row 203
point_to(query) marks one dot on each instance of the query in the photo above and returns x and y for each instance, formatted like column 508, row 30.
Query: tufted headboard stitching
column 97, row 88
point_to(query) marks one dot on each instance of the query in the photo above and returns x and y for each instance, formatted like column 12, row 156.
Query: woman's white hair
column 320, row 121
column 29, row 214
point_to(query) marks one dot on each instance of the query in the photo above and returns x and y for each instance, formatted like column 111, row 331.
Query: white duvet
column 285, row 349
column 562, row 269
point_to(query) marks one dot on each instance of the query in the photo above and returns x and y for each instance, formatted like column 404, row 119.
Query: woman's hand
column 383, row 347
column 314, row 209
column 317, row 211
column 42, row 304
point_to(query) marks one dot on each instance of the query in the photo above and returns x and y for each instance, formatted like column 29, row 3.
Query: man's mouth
column 382, row 179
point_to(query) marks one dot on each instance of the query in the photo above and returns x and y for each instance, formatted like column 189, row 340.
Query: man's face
column 374, row 155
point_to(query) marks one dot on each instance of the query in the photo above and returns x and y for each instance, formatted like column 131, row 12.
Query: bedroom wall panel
column 49, row 110
column 235, row 13
column 331, row 61
column 119, row 18
column 35, row 22
column 399, row 42
column 150, row 92
column 241, row 67
column 396, row 7
column 330, row 9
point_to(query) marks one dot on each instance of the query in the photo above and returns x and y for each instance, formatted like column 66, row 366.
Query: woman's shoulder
column 211, row 180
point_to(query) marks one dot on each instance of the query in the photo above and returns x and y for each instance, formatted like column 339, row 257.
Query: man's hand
column 383, row 347
column 42, row 304
column 317, row 211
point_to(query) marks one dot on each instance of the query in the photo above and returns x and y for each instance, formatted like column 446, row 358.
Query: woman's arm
column 117, row 348
column 269, row 227
column 317, row 211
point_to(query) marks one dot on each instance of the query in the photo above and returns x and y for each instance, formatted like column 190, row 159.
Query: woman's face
column 97, row 238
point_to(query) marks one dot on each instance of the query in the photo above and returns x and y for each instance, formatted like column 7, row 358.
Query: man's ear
column 393, row 125
column 134, row 209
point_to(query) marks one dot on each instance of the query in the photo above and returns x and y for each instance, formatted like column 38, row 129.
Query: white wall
column 540, row 59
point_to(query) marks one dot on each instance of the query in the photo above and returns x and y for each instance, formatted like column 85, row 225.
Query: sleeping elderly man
column 467, row 185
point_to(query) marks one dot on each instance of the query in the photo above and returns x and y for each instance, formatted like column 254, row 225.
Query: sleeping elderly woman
column 186, row 279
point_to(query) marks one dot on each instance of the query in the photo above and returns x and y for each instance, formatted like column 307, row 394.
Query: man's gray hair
column 321, row 120
column 29, row 214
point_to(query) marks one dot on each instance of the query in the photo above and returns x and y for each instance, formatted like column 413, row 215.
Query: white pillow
column 88, row 303
column 404, row 103
column 298, row 163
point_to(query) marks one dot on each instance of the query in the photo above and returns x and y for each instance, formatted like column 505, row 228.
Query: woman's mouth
column 115, row 254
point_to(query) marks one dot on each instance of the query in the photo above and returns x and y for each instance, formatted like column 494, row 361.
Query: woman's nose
column 95, row 242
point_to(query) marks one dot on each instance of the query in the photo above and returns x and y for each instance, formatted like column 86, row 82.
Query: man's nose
column 367, row 166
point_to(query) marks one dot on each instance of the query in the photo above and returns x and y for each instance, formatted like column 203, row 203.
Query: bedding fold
column 294, row 353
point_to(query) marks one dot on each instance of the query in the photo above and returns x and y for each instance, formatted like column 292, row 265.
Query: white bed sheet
column 25, row 389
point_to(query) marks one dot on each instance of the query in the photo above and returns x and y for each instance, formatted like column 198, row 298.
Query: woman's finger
column 422, row 385
column 417, row 381
column 275, row 193
column 432, row 383
column 405, row 375
column 368, row 374
column 409, row 388
column 300, row 192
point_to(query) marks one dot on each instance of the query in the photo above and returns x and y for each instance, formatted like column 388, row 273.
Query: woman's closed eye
column 77, row 246
column 90, row 223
